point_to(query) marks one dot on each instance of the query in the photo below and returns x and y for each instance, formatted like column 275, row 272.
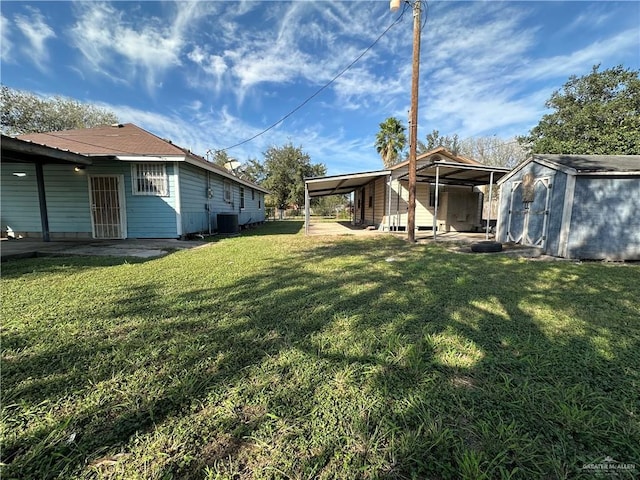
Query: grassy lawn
column 274, row 355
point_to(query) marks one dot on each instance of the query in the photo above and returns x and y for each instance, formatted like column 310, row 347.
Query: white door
column 529, row 212
column 106, row 194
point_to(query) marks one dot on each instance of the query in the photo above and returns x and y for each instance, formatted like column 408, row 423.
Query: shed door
column 107, row 199
column 529, row 212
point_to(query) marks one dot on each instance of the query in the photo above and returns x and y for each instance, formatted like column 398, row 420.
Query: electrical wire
column 317, row 92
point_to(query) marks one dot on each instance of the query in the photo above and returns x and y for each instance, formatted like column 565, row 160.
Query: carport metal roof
column 455, row 173
column 341, row 184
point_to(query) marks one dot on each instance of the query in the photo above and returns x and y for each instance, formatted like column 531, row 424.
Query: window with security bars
column 150, row 179
column 226, row 193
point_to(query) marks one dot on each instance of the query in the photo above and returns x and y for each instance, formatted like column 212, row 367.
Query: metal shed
column 573, row 206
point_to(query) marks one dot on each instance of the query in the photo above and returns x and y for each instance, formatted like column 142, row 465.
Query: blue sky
column 211, row 74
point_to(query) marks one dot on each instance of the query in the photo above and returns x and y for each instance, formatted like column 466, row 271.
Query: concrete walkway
column 141, row 248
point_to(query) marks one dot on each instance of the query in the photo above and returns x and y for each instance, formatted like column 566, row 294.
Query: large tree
column 598, row 113
column 285, row 169
column 390, row 141
column 25, row 112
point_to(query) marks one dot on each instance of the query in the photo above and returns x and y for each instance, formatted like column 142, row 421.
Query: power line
column 317, row 92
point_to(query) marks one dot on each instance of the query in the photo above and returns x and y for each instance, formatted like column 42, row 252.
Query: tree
column 390, row 141
column 435, row 140
column 598, row 113
column 286, row 168
column 493, row 151
column 25, row 112
column 219, row 157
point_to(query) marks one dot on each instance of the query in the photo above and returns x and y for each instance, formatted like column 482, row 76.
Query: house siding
column 148, row 216
column 19, row 199
column 379, row 201
column 249, row 215
column 194, row 201
column 605, row 221
column 67, row 198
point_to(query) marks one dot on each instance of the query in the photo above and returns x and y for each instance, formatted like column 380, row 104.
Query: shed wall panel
column 605, row 222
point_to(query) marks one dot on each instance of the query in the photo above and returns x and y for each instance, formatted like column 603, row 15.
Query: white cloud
column 37, row 32
column 112, row 45
column 5, row 42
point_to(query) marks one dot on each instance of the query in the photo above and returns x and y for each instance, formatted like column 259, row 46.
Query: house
column 133, row 184
column 573, row 206
column 448, row 194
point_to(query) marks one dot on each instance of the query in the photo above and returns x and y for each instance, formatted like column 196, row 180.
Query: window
column 241, row 197
column 149, row 179
column 259, row 204
column 226, row 193
column 253, row 194
column 370, row 201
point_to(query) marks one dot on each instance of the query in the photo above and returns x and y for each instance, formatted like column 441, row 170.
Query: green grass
column 274, row 355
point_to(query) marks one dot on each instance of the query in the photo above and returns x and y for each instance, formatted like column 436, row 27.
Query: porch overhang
column 341, row 184
column 15, row 150
column 454, row 173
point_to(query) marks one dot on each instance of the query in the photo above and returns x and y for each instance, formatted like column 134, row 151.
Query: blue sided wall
column 67, row 197
column 605, row 221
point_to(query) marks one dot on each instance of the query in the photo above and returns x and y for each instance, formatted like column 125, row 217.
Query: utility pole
column 413, row 116
column 413, row 127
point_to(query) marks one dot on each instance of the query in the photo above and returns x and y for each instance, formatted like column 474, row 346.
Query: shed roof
column 595, row 163
column 584, row 165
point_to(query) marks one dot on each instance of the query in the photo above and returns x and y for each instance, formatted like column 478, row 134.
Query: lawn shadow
column 355, row 355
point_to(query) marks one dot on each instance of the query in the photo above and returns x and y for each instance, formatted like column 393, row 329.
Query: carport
column 336, row 185
column 19, row 151
column 454, row 173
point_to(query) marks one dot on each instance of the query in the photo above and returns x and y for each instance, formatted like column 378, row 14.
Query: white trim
column 630, row 173
column 567, row 210
column 135, row 177
column 149, row 158
column 178, row 204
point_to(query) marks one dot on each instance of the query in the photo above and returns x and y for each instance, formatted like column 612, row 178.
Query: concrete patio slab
column 140, row 248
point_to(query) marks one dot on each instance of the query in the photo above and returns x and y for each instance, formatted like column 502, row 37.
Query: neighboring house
column 135, row 185
column 574, row 206
column 381, row 197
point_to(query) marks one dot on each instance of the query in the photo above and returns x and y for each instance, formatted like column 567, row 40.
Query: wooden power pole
column 413, row 127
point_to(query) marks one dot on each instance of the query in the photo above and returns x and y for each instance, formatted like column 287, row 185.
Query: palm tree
column 390, row 141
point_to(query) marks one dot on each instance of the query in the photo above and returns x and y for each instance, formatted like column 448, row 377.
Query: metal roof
column 341, row 184
column 455, row 173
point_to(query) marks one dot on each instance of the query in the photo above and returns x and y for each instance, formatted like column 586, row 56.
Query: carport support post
column 306, row 208
column 44, row 217
column 486, row 235
column 435, row 208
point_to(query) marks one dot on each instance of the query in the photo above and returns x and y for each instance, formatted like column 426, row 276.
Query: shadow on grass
column 353, row 358
column 52, row 264
column 278, row 227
